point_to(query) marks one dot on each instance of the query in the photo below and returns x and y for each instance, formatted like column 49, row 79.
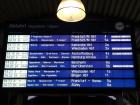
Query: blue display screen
column 73, row 61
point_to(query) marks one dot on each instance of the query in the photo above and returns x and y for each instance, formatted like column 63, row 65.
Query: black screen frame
column 72, row 90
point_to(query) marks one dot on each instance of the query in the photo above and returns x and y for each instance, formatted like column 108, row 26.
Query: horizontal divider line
column 100, row 34
column 71, row 51
column 69, row 60
column 117, row 42
column 75, row 34
column 67, row 69
column 70, row 78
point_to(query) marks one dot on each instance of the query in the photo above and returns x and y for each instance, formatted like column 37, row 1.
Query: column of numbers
column 14, row 62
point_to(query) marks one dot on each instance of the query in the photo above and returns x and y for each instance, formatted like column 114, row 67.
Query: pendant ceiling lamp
column 71, row 11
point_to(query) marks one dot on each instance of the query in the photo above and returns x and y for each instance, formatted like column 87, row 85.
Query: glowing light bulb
column 71, row 11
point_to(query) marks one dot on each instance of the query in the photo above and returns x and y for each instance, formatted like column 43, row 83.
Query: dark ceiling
column 20, row 9
column 11, row 10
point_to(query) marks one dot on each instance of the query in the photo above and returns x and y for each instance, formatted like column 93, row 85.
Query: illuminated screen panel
column 69, row 61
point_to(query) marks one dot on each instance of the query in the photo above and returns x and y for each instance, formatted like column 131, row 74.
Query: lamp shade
column 71, row 11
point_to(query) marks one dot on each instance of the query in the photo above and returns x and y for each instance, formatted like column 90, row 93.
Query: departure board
column 69, row 61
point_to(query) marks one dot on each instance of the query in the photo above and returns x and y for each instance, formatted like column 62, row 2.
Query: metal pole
column 69, row 99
